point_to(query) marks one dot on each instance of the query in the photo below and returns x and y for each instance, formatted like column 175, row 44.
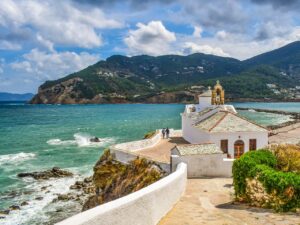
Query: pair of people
column 165, row 133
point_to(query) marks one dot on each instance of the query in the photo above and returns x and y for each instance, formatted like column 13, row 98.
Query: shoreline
column 294, row 116
column 229, row 100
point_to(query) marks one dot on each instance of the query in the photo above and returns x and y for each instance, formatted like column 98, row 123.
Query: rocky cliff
column 113, row 179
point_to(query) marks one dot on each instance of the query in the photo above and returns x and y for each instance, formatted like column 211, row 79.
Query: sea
column 39, row 137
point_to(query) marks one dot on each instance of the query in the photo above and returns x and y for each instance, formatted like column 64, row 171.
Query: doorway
column 239, row 148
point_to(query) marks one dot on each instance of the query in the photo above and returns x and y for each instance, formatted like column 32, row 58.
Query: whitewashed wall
column 140, row 144
column 209, row 165
column 144, row 207
column 192, row 134
column 261, row 139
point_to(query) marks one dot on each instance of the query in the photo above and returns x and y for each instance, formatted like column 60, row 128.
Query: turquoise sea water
column 38, row 137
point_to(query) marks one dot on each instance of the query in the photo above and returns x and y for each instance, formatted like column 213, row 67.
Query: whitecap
column 36, row 211
column 15, row 158
column 81, row 140
column 60, row 142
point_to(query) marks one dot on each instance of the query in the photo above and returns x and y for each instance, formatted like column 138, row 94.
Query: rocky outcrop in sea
column 55, row 172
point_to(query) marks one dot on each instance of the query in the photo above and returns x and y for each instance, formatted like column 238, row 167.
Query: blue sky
column 46, row 40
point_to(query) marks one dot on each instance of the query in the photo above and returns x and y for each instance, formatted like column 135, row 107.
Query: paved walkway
column 208, row 201
column 161, row 152
column 289, row 134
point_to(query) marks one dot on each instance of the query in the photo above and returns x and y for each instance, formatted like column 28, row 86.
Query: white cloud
column 46, row 43
column 7, row 45
column 1, row 65
column 48, row 66
column 197, row 31
column 60, row 21
column 190, row 47
column 222, row 35
column 152, row 38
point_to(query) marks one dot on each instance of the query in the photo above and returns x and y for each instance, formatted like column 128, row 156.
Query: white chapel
column 212, row 122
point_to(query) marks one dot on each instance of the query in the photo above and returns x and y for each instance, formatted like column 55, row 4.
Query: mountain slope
column 286, row 59
column 170, row 77
column 4, row 96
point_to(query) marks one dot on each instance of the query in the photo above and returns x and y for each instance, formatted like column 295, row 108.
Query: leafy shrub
column 288, row 157
column 283, row 187
column 244, row 167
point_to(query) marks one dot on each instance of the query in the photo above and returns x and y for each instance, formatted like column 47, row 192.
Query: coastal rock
column 113, row 179
column 64, row 197
column 55, row 172
column 14, row 207
column 39, row 198
column 95, row 139
column 4, row 212
column 24, row 203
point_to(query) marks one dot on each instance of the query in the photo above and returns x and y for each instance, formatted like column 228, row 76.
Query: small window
column 224, row 146
column 252, row 144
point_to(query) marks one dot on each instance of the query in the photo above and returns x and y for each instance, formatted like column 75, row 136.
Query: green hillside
column 134, row 79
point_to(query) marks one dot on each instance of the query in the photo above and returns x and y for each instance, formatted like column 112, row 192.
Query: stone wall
column 146, row 206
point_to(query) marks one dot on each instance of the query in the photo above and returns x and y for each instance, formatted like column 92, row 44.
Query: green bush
column 149, row 134
column 262, row 164
column 244, row 167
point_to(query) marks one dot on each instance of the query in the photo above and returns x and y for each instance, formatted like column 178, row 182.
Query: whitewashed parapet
column 140, row 144
column 175, row 133
column 144, row 207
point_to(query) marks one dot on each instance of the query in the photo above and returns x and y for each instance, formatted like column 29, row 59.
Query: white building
column 211, row 121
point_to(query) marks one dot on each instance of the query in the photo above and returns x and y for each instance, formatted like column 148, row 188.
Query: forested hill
column 174, row 78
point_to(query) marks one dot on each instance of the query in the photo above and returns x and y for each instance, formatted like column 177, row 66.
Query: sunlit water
column 38, row 137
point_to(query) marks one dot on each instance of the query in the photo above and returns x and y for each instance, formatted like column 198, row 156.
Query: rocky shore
column 111, row 180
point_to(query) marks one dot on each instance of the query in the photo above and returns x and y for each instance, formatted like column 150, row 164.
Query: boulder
column 95, row 139
column 39, row 198
column 24, row 203
column 4, row 212
column 14, row 207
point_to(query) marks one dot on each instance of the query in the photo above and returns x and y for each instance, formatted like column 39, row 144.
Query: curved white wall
column 144, row 207
column 140, row 144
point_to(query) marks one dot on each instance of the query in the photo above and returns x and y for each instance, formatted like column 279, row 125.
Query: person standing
column 167, row 132
column 163, row 131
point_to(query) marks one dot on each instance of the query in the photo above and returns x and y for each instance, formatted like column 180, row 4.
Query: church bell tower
column 218, row 95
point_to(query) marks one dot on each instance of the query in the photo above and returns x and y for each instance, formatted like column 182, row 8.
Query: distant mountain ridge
column 172, row 78
column 5, row 96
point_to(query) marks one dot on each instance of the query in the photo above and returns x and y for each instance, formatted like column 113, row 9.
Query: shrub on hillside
column 149, row 134
column 288, row 157
column 281, row 189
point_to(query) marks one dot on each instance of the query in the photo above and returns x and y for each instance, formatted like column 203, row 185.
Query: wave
column 81, row 140
column 15, row 158
column 251, row 110
column 38, row 211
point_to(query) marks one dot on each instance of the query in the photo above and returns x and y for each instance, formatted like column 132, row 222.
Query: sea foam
column 15, row 158
column 36, row 212
column 81, row 140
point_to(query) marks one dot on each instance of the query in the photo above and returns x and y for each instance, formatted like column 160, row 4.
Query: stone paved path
column 162, row 151
column 209, row 201
column 289, row 134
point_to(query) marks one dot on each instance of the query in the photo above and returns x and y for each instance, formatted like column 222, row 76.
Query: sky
column 46, row 40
